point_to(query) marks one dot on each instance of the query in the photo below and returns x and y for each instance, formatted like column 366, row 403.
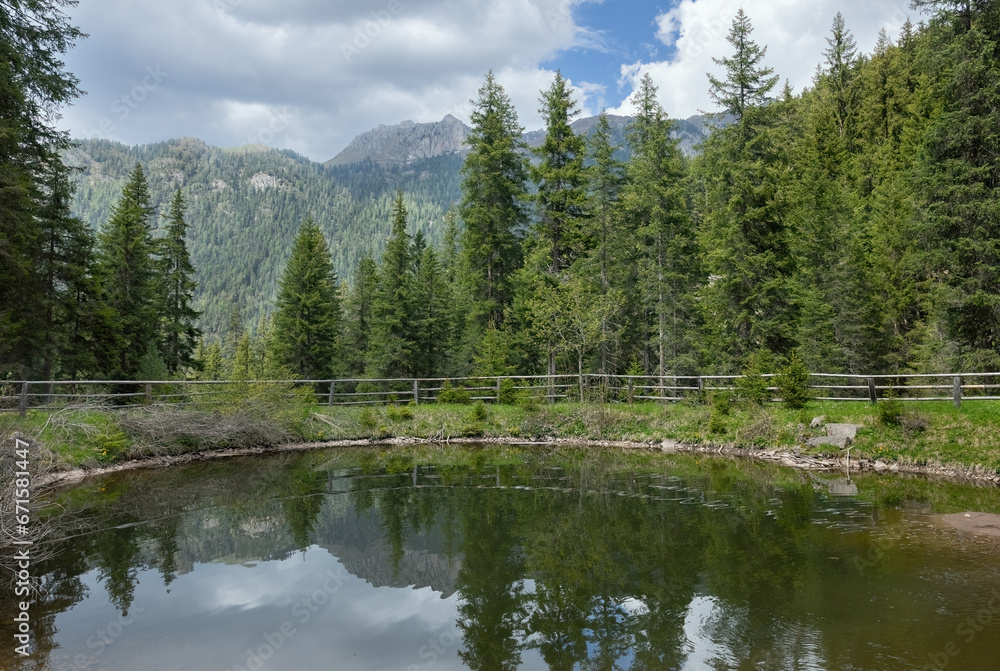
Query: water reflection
column 492, row 559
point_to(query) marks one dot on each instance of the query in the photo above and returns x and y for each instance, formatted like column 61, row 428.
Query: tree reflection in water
column 597, row 562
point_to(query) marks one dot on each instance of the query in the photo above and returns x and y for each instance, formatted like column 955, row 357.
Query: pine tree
column 33, row 87
column 432, row 330
column 391, row 346
column 654, row 200
column 67, row 304
column 960, row 175
column 127, row 276
column 359, row 315
column 307, row 318
column 742, row 173
column 560, row 178
column 606, row 180
column 841, row 56
column 178, row 333
column 746, row 84
column 493, row 194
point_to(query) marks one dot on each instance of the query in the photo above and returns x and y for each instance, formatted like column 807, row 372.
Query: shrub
column 472, row 430
column 716, row 424
column 793, row 383
column 449, row 394
column 507, row 394
column 479, row 412
column 890, row 409
column 722, row 403
column 399, row 413
column 752, row 387
column 368, row 419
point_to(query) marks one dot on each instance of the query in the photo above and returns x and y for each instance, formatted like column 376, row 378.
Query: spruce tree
column 743, row 207
column 959, row 176
column 34, row 85
column 606, row 180
column 560, row 178
column 178, row 333
column 841, row 56
column 358, row 325
column 746, row 83
column 67, row 304
column 654, row 200
column 307, row 318
column 432, row 329
column 391, row 346
column 492, row 208
column 127, row 276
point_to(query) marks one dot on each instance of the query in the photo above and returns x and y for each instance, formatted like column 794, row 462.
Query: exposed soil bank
column 790, row 458
column 984, row 524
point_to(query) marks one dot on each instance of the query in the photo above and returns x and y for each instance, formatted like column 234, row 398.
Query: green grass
column 930, row 433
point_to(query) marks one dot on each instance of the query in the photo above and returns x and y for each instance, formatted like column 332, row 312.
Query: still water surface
column 500, row 558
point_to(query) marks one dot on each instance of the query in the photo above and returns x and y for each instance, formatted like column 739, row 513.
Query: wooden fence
column 20, row 395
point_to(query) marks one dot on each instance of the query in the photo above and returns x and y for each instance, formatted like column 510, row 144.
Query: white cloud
column 794, row 32
column 344, row 67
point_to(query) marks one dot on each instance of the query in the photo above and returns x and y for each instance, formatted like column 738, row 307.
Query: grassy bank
column 926, row 433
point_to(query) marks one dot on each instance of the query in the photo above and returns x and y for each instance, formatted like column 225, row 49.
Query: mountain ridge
column 407, row 141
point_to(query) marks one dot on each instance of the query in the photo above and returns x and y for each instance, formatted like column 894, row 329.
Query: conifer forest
column 854, row 224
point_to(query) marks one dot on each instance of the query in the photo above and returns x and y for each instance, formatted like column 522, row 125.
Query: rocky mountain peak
column 405, row 142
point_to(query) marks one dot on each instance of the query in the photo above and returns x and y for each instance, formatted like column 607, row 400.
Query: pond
column 431, row 558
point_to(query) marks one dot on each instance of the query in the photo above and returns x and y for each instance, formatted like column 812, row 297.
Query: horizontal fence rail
column 20, row 395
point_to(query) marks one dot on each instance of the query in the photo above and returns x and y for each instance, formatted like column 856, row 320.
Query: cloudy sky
column 309, row 75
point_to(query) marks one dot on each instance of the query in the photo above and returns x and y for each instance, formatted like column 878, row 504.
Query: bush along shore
column 931, row 437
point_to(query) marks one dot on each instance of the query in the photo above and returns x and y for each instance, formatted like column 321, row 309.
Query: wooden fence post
column 333, row 386
column 416, row 392
column 872, row 392
column 581, row 388
column 498, row 390
column 956, row 392
column 631, row 383
column 24, row 399
column 701, row 388
column 149, row 393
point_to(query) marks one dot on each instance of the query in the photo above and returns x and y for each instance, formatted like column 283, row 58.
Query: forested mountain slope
column 245, row 205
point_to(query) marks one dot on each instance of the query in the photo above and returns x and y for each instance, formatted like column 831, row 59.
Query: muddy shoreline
column 791, row 458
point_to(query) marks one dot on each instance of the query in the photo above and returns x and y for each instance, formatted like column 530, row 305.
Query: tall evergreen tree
column 307, row 318
column 841, row 56
column 747, row 83
column 654, row 201
column 432, row 304
column 560, row 177
column 742, row 172
column 606, row 180
column 360, row 300
column 127, row 276
column 960, row 176
column 178, row 333
column 391, row 346
column 67, row 304
column 493, row 194
column 33, row 87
